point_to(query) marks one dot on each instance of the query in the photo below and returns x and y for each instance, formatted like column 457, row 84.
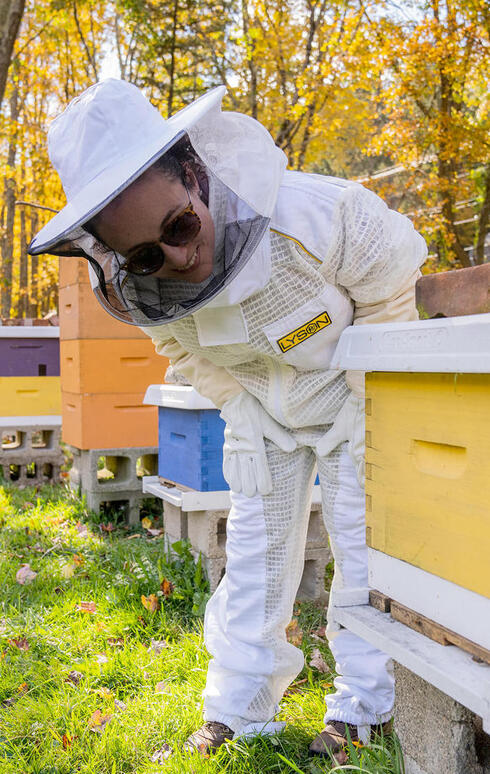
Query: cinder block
column 453, row 293
column 312, row 585
column 30, row 454
column 438, row 735
column 82, row 317
column 128, row 503
column 110, row 365
column 120, row 471
column 207, row 532
column 108, row 420
column 317, row 535
column 174, row 523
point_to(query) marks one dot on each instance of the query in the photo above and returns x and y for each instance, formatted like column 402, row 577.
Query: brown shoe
column 333, row 738
column 207, row 738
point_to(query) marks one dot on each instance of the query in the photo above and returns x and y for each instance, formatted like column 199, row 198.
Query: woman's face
column 136, row 219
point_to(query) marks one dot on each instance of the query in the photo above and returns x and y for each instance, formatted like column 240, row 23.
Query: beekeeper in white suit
column 245, row 275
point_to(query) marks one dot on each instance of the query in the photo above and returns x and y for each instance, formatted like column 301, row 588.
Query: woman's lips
column 192, row 263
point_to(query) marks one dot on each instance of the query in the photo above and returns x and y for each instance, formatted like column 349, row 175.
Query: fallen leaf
column 22, row 688
column 25, row 575
column 78, row 560
column 162, row 687
column 161, row 755
column 293, row 633
column 295, row 687
column 104, row 693
column 74, row 677
column 67, row 740
column 107, row 527
column 167, row 587
column 97, row 722
column 156, row 532
column 82, row 529
column 341, row 757
column 101, row 658
column 136, row 535
column 120, row 705
column 86, row 607
column 326, row 685
column 19, row 642
column 142, row 621
column 146, row 523
column 152, row 603
column 156, row 646
column 115, row 642
column 320, row 632
column 67, row 571
column 28, row 505
column 318, row 662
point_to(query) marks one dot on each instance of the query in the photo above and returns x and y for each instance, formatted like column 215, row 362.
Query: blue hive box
column 190, row 437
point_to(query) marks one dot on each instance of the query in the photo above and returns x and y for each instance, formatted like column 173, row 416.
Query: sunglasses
column 179, row 231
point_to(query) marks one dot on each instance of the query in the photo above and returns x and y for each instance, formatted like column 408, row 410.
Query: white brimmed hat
column 104, row 139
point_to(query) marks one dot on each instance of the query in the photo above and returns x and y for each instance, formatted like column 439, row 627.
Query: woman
column 245, row 275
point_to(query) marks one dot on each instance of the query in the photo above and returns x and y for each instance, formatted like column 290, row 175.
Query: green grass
column 45, row 714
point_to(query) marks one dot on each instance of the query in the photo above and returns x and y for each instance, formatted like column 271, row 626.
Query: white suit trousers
column 252, row 663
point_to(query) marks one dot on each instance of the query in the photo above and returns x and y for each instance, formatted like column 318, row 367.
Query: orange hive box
column 110, row 365
column 108, row 420
column 82, row 317
column 73, row 271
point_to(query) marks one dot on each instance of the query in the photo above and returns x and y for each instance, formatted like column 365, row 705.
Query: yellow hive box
column 108, row 420
column 110, row 365
column 428, row 472
column 22, row 396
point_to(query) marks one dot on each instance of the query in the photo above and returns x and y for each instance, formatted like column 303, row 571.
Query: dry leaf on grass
column 167, row 587
column 115, row 642
column 22, row 688
column 67, row 740
column 146, row 523
column 97, row 722
column 156, row 532
column 78, row 560
column 82, row 529
column 295, row 687
column 19, row 642
column 25, row 574
column 156, row 646
column 101, row 658
column 318, row 662
column 107, row 527
column 67, row 571
column 151, row 602
column 104, row 693
column 161, row 755
column 120, row 705
column 73, row 677
column 293, row 633
column 86, row 607
column 162, row 687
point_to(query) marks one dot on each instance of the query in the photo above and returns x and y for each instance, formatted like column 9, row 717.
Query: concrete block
column 453, row 293
column 206, row 531
column 174, row 523
column 128, row 504
column 30, row 454
column 120, row 471
column 317, row 535
column 312, row 585
column 438, row 735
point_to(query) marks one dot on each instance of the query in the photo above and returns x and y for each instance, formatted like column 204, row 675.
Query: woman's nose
column 176, row 256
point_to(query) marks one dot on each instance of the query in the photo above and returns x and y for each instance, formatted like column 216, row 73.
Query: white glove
column 245, row 465
column 349, row 425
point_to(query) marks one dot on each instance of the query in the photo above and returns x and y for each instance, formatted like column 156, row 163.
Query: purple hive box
column 29, row 351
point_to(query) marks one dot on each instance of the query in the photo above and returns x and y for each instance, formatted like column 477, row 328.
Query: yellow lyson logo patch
column 309, row 328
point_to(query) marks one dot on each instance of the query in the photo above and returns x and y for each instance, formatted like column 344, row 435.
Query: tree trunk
column 34, row 284
column 23, row 279
column 11, row 12
column 9, row 195
column 483, row 220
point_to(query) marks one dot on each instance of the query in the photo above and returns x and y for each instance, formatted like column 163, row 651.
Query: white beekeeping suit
column 298, row 258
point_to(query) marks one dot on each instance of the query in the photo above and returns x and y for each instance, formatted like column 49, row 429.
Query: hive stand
column 185, row 517
column 119, row 483
column 30, row 452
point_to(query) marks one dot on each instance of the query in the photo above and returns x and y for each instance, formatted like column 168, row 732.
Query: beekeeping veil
column 106, row 138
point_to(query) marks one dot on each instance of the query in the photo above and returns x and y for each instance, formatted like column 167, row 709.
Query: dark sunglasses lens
column 182, row 229
column 146, row 261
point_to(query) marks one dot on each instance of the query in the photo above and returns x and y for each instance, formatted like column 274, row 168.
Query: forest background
column 393, row 95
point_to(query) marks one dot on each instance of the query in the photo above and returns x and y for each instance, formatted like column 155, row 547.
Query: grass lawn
column 102, row 661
